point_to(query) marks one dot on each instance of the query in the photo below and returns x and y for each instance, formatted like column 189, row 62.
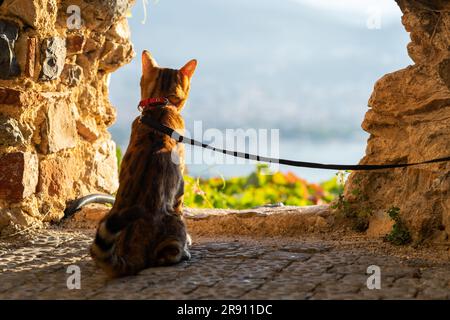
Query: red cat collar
column 152, row 102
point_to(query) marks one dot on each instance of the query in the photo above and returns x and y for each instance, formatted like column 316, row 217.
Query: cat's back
column 149, row 171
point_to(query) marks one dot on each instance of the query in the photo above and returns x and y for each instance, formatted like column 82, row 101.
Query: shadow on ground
column 227, row 268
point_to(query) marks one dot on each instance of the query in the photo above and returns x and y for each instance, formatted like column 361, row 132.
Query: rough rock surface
column 53, row 58
column 54, row 106
column 409, row 121
column 10, row 133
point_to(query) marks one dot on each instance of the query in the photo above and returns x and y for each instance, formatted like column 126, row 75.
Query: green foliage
column 355, row 210
column 394, row 213
column 259, row 188
column 399, row 234
column 118, row 156
column 256, row 189
column 361, row 222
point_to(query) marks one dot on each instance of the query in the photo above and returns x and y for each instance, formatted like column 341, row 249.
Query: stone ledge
column 263, row 211
column 261, row 221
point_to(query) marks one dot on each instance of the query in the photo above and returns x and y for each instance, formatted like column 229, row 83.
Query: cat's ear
column 148, row 63
column 189, row 68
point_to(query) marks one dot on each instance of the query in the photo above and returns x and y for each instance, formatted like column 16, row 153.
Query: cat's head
column 157, row 82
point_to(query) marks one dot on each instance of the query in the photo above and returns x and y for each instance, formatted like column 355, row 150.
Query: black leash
column 358, row 167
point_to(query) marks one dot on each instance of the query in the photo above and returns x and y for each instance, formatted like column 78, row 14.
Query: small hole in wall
column 51, row 62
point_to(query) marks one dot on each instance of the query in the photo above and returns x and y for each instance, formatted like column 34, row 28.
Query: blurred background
column 305, row 67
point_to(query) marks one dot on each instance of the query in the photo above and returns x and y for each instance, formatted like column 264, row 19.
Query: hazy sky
column 306, row 67
column 355, row 7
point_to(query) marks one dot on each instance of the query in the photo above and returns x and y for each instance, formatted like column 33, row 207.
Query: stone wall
column 54, row 107
column 409, row 121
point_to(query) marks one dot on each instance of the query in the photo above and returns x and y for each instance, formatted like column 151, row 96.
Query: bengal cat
column 145, row 227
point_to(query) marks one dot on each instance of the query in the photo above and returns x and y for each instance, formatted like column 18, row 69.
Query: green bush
column 118, row 156
column 258, row 189
column 399, row 234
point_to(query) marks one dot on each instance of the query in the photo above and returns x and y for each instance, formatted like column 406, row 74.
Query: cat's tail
column 79, row 203
column 103, row 250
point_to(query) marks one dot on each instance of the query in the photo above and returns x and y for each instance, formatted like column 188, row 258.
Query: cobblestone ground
column 35, row 268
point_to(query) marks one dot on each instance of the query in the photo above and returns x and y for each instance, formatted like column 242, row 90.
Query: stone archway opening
column 55, row 113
